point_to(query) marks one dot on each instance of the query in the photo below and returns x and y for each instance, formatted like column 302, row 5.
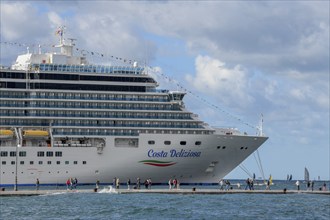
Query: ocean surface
column 168, row 206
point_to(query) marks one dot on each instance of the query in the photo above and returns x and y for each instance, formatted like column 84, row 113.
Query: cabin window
column 21, row 162
column 58, row 162
column 31, row 162
column 22, row 154
column 75, row 162
column 151, row 142
column 58, row 153
column 40, row 162
column 84, row 162
column 3, row 162
column 41, row 154
column 12, row 153
column 183, row 142
column 49, row 162
column 167, row 142
column 12, row 162
column 4, row 154
column 66, row 162
column 198, row 143
column 49, row 153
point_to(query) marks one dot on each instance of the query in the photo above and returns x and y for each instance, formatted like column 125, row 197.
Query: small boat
column 306, row 176
column 35, row 133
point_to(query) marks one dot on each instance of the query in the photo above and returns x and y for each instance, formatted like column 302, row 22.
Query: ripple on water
column 166, row 206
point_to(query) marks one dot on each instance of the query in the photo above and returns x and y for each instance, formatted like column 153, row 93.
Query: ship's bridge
column 176, row 96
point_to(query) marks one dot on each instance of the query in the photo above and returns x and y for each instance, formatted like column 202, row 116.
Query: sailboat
column 306, row 177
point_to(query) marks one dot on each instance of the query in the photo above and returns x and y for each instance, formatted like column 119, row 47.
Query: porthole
column 183, row 142
column 198, row 143
column 218, row 147
column 224, row 147
column 167, row 142
column 151, row 142
column 242, row 148
column 246, row 148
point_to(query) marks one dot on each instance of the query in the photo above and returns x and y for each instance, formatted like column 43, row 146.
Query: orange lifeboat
column 35, row 133
column 6, row 133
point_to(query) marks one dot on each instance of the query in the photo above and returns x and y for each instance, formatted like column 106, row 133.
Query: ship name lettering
column 184, row 153
column 174, row 153
column 152, row 153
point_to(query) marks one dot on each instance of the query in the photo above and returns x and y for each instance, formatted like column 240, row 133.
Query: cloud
column 213, row 77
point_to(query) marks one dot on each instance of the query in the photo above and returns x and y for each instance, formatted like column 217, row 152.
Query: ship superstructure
column 62, row 117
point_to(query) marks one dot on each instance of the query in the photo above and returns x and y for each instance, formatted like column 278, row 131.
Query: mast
column 259, row 127
column 66, row 49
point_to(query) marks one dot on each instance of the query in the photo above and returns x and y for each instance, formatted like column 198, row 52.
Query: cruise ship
column 62, row 117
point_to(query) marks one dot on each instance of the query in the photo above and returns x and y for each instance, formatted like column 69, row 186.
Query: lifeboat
column 35, row 133
column 6, row 133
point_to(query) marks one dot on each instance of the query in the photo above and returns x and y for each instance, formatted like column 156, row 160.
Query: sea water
column 166, row 206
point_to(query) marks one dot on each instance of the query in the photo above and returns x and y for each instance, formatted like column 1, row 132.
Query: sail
column 306, row 175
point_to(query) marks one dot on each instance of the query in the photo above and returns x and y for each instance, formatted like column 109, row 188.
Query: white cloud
column 55, row 19
column 213, row 77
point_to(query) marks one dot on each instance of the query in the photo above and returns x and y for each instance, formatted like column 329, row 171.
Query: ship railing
column 87, row 68
column 84, row 98
column 86, row 107
column 2, row 67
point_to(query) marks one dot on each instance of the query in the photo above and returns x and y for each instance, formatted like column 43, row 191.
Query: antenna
column 72, row 41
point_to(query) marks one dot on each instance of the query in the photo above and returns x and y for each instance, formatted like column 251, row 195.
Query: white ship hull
column 62, row 117
column 206, row 163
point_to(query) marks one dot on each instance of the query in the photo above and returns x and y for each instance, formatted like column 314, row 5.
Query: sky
column 237, row 60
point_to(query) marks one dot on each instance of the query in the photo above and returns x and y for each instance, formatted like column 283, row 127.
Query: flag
column 59, row 32
column 270, row 179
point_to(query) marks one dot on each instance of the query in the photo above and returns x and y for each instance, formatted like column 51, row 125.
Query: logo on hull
column 157, row 163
